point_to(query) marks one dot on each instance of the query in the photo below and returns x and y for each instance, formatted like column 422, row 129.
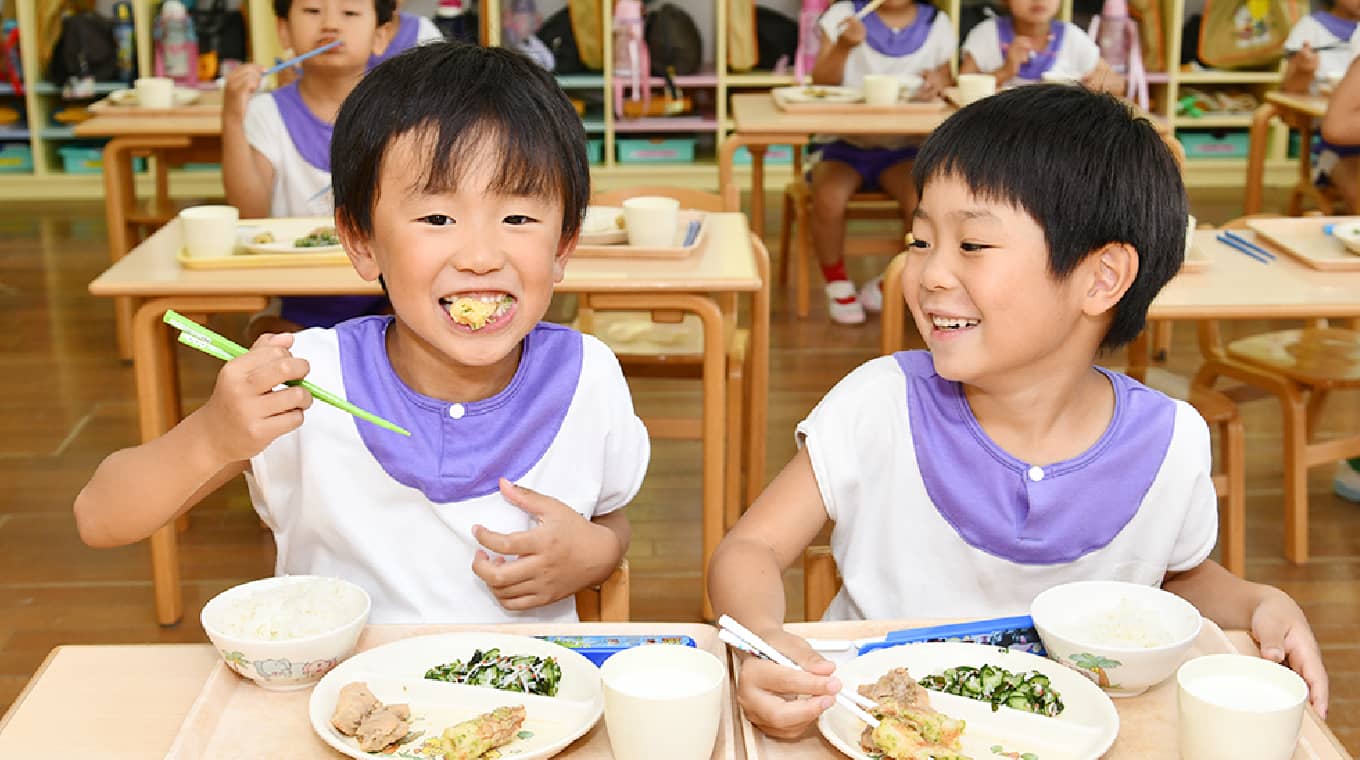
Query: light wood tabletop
column 759, row 123
column 1299, row 113
column 152, row 280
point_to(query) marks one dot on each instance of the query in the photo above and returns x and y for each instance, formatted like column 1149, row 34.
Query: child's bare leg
column 896, row 181
column 1345, row 176
column 832, row 185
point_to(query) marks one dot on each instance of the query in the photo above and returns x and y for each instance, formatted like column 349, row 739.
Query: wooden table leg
column 1256, row 157
column 758, row 377
column 158, row 411
column 120, row 195
column 758, row 189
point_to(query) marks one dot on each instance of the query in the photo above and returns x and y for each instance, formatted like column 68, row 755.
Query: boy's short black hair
column 1086, row 167
column 464, row 103
column 386, row 9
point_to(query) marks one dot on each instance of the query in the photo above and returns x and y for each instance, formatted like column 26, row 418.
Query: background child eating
column 964, row 481
column 902, row 37
column 506, row 498
column 1318, row 49
column 276, row 146
column 1030, row 42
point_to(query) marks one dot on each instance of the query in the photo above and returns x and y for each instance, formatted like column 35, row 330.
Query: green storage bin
column 656, row 150
column 595, row 150
column 15, row 158
column 81, row 160
column 1214, row 144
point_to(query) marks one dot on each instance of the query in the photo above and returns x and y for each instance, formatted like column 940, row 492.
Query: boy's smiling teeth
column 953, row 323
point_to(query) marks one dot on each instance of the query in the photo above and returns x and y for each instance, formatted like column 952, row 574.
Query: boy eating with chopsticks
column 506, row 499
column 276, row 146
column 964, row 481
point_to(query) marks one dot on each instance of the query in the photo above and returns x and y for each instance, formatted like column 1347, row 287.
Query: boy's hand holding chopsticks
column 239, row 86
column 245, row 414
column 779, row 700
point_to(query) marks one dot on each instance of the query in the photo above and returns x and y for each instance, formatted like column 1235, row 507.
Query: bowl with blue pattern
column 285, row 633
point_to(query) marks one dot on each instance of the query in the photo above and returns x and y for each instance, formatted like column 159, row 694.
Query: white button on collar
column 457, row 411
column 1036, row 473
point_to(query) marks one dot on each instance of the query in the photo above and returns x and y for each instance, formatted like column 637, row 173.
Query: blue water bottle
column 124, row 40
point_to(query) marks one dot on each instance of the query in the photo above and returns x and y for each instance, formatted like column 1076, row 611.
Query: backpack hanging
column 1246, row 33
column 776, row 39
column 743, row 50
column 587, row 28
column 85, row 49
column 1148, row 15
column 672, row 40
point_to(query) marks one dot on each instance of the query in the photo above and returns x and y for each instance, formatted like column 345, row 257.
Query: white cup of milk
column 663, row 690
column 1236, row 707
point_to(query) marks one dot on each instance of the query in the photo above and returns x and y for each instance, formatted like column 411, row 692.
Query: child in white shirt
column 507, row 497
column 1029, row 42
column 964, row 481
column 902, row 38
column 1320, row 48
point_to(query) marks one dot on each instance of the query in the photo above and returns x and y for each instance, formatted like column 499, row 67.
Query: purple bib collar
column 1339, row 28
column 408, row 31
column 897, row 44
column 1026, row 514
column 459, row 451
column 1034, row 68
column 311, row 136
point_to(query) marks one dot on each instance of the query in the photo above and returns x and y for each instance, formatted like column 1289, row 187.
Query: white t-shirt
column 335, row 499
column 1311, row 31
column 1077, row 56
column 300, row 189
column 902, row 555
column 937, row 50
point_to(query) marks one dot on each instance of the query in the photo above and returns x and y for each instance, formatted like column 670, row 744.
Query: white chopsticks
column 736, row 635
column 870, row 8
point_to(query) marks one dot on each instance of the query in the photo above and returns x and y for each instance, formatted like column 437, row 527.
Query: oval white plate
column 600, row 226
column 1086, row 728
column 395, row 673
column 818, row 93
column 182, row 96
column 285, row 232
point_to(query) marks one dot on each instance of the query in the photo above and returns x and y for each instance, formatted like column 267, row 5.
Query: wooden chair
column 821, row 581
column 663, row 344
column 797, row 216
column 607, row 602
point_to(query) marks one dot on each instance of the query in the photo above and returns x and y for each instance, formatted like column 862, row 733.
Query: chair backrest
column 607, row 602
column 699, row 200
column 820, row 581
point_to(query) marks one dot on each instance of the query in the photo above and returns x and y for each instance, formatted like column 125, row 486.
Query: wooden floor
column 66, row 401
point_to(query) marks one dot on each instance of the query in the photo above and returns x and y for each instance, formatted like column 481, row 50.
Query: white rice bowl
column 285, row 633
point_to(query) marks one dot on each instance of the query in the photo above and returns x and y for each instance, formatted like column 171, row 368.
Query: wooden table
column 175, row 136
column 1298, row 112
column 759, row 123
column 1147, row 722
column 152, row 281
column 143, row 701
column 1232, row 286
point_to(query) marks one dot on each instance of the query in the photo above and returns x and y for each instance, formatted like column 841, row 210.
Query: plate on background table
column 286, row 235
column 603, row 225
column 395, row 673
column 817, row 93
column 1084, row 730
column 182, row 96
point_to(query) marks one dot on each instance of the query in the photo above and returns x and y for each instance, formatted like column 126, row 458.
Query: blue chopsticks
column 1245, row 247
column 276, row 68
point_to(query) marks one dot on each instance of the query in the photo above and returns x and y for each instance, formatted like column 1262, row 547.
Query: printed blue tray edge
column 1016, row 633
column 597, row 649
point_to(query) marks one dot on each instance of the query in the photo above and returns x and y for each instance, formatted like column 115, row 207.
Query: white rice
column 290, row 610
column 1129, row 625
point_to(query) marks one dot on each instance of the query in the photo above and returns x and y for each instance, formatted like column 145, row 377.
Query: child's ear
column 382, row 37
column 285, row 39
column 565, row 248
column 1111, row 273
column 357, row 246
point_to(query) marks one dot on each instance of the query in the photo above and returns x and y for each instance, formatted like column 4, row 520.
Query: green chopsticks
column 194, row 335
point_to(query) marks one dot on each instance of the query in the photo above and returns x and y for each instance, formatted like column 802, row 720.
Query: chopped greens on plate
column 521, row 672
column 1030, row 692
column 321, row 237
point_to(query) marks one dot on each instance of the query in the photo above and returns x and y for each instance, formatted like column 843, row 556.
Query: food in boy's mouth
column 1029, row 692
column 321, row 237
column 517, row 672
column 359, row 714
column 476, row 737
column 909, row 728
column 477, row 312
